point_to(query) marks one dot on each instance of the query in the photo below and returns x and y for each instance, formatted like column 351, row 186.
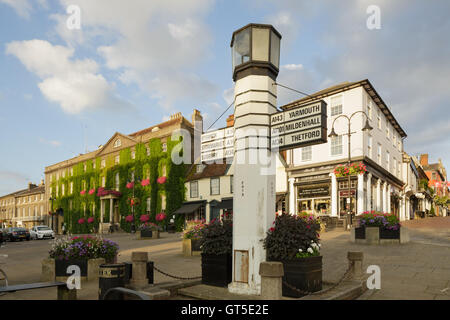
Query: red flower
column 130, row 185
column 272, row 229
column 161, row 180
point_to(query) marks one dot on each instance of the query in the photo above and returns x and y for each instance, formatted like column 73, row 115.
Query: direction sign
column 217, row 145
column 300, row 127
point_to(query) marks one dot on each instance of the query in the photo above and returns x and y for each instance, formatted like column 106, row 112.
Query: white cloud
column 74, row 84
column 156, row 44
column 292, row 67
column 53, row 143
column 22, row 7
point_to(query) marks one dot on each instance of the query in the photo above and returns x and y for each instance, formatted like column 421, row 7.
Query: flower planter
column 191, row 247
column 377, row 235
column 56, row 270
column 216, row 269
column 304, row 274
column 147, row 234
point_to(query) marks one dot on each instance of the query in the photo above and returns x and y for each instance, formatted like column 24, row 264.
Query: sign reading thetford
column 300, row 127
column 217, row 145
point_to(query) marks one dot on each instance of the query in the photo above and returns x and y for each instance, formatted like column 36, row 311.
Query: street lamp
column 133, row 224
column 51, row 210
column 333, row 134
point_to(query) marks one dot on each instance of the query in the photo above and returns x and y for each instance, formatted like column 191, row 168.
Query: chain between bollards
column 175, row 277
column 321, row 291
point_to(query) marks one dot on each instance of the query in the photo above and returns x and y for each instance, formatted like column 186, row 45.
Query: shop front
column 314, row 199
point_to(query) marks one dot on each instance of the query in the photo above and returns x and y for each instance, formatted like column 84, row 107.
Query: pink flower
column 81, row 221
column 145, row 182
column 83, row 192
column 160, row 216
column 90, row 220
column 130, row 185
column 144, row 218
column 92, row 191
column 129, row 218
column 161, row 180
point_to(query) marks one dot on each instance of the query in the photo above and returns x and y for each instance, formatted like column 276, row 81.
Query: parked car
column 13, row 234
column 42, row 232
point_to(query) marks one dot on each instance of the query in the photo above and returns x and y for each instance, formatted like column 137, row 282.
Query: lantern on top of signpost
column 256, row 46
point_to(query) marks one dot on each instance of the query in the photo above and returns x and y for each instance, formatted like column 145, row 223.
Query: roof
column 210, row 170
column 165, row 124
column 13, row 193
column 344, row 86
column 38, row 189
column 90, row 155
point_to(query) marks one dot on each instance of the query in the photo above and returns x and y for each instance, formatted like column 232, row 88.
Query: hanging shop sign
column 299, row 127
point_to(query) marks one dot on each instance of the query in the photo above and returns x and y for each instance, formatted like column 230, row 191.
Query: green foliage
column 289, row 235
column 78, row 206
column 217, row 237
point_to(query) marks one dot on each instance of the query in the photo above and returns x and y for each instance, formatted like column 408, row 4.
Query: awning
column 226, row 204
column 189, row 208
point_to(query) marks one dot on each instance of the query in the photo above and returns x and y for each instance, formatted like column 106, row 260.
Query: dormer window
column 200, row 168
column 117, row 143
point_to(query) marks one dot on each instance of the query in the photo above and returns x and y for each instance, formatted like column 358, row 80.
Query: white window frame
column 334, row 146
column 307, row 153
column 336, row 109
column 211, row 186
column 191, row 193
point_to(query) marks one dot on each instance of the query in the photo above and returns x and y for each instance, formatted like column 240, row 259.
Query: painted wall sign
column 300, row 127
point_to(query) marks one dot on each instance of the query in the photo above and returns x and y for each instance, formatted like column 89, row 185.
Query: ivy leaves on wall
column 89, row 176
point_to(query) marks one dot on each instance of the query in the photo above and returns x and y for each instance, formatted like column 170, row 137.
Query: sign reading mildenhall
column 300, row 127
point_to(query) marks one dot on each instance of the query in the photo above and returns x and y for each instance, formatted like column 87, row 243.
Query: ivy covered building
column 99, row 184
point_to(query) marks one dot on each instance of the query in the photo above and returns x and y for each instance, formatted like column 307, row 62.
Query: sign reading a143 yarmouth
column 299, row 127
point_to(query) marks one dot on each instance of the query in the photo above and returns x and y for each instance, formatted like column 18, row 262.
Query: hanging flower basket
column 161, row 180
column 83, row 192
column 92, row 191
column 81, row 221
column 145, row 182
column 130, row 185
column 144, row 218
column 353, row 169
column 90, row 220
column 160, row 216
column 101, row 192
column 129, row 218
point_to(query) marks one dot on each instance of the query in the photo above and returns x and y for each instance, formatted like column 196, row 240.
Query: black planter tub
column 304, row 274
column 146, row 233
column 216, row 269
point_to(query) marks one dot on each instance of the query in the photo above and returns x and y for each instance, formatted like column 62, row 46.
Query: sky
column 66, row 90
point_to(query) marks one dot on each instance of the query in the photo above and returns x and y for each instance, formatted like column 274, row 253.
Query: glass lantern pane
column 274, row 49
column 241, row 48
column 260, row 44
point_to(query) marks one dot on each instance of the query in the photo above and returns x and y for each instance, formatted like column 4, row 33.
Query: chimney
column 197, row 120
column 31, row 186
column 424, row 159
column 230, row 120
column 177, row 115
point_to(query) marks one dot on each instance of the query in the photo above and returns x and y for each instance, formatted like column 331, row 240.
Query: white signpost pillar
column 255, row 50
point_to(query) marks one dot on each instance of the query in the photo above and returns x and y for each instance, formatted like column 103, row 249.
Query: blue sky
column 133, row 63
